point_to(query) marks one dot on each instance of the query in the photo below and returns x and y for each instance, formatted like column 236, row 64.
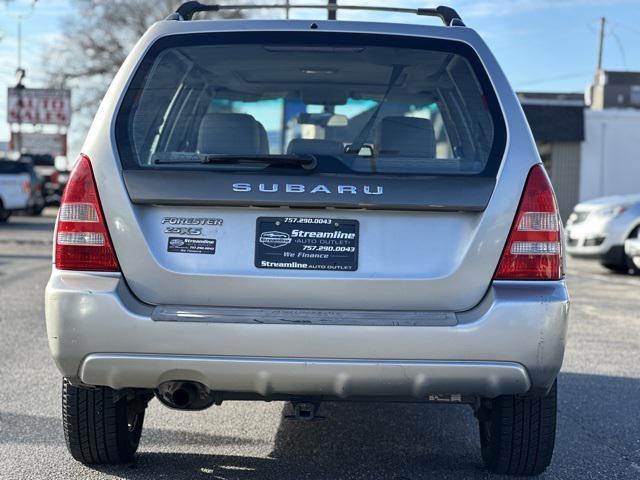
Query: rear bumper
column 511, row 343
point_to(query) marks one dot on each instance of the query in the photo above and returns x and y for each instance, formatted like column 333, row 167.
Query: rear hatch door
column 221, row 205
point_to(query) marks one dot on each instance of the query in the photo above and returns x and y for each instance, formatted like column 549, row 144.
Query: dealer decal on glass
column 295, row 243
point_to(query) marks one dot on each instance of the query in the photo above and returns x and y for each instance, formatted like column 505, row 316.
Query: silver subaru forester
column 309, row 211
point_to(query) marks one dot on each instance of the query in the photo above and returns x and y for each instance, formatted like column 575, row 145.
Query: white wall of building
column 610, row 153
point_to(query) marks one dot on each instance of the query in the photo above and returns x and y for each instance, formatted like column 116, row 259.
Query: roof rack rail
column 447, row 14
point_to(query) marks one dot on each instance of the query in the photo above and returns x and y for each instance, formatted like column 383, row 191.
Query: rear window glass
column 305, row 102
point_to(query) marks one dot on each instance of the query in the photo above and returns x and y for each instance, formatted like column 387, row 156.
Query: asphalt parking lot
column 598, row 429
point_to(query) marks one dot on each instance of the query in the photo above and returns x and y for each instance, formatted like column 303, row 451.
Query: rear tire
column 100, row 427
column 517, row 435
column 36, row 210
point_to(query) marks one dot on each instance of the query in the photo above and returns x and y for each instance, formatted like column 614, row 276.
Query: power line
column 627, row 27
column 621, row 48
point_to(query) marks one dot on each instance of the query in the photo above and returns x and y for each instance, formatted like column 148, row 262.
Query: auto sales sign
column 39, row 106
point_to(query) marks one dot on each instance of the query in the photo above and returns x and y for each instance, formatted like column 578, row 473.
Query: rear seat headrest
column 232, row 134
column 303, row 146
column 407, row 137
column 264, row 139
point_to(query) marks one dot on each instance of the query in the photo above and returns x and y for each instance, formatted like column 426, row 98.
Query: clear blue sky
column 543, row 45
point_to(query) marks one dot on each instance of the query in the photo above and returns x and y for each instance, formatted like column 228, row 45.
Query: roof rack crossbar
column 448, row 15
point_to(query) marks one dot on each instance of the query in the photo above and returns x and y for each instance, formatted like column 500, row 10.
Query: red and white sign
column 39, row 106
column 35, row 143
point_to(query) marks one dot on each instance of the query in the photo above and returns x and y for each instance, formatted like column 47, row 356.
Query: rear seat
column 232, row 134
column 407, row 137
column 303, row 146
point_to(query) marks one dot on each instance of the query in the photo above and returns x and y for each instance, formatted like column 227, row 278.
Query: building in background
column 557, row 124
column 38, row 119
column 611, row 151
column 610, row 156
column 590, row 144
column 613, row 89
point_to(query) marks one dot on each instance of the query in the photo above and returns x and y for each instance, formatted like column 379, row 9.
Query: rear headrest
column 302, row 146
column 232, row 134
column 407, row 137
column 264, row 139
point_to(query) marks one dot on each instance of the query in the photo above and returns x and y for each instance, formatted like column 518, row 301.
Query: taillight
column 534, row 248
column 82, row 239
column 26, row 186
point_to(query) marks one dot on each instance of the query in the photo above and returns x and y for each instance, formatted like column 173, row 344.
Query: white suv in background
column 15, row 188
column 599, row 228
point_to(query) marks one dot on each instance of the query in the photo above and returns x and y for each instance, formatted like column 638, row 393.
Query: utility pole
column 287, row 4
column 19, row 18
column 19, row 42
column 603, row 22
column 20, row 72
column 332, row 13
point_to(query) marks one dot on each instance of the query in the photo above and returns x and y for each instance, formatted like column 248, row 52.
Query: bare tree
column 94, row 42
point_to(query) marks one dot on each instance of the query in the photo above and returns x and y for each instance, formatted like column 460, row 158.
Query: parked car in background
column 55, row 186
column 598, row 229
column 15, row 188
column 59, row 181
column 632, row 250
column 36, row 195
column 54, row 179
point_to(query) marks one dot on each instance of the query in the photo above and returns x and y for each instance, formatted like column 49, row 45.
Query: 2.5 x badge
column 189, row 226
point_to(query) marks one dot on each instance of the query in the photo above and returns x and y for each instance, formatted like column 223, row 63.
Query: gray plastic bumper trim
column 305, row 317
column 306, row 376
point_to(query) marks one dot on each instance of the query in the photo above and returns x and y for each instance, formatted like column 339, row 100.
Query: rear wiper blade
column 302, row 160
column 170, row 158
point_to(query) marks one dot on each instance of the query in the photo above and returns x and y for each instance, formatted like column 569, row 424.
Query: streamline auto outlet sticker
column 295, row 243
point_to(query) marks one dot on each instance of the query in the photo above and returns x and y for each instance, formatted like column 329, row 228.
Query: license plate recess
column 306, row 243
